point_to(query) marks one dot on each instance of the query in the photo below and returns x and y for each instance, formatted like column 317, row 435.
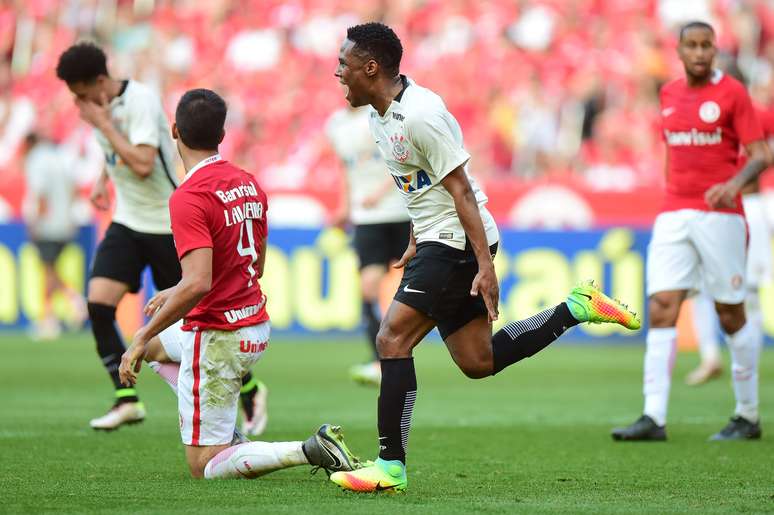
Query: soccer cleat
column 367, row 374
column 644, row 429
column 255, row 425
column 120, row 414
column 382, row 475
column 326, row 450
column 588, row 304
column 706, row 371
column 738, row 428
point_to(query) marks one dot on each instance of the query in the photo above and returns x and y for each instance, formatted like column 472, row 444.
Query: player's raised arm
column 139, row 158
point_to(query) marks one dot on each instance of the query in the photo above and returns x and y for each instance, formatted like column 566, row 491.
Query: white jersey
column 422, row 143
column 50, row 179
column 347, row 130
column 141, row 203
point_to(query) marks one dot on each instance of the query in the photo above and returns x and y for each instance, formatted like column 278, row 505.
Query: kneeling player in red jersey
column 212, row 326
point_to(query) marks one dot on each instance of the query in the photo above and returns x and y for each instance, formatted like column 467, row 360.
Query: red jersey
column 704, row 129
column 220, row 206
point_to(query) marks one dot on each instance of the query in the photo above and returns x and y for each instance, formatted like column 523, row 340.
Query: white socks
column 706, row 326
column 659, row 359
column 745, row 348
column 168, row 372
column 254, row 459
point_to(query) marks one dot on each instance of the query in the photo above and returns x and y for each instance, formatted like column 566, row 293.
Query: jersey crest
column 709, row 112
column 400, row 150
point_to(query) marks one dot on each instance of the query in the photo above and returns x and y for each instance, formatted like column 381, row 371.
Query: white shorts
column 759, row 249
column 212, row 364
column 690, row 248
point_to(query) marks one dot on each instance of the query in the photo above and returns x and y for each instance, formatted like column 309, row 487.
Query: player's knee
column 389, row 344
column 476, row 365
column 731, row 317
column 197, row 470
column 664, row 310
column 477, row 369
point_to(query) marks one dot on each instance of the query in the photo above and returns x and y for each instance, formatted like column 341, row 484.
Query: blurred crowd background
column 563, row 90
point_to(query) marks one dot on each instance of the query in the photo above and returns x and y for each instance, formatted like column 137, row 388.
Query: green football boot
column 588, row 304
column 380, row 476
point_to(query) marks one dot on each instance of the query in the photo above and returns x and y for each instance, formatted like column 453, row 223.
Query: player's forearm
column 470, row 218
column 138, row 160
column 184, row 298
column 751, row 170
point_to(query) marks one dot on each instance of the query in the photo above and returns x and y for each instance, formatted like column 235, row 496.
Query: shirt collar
column 201, row 164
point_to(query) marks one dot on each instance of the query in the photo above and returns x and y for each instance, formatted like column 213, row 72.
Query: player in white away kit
column 700, row 238
column 449, row 280
column 219, row 222
column 377, row 210
column 133, row 131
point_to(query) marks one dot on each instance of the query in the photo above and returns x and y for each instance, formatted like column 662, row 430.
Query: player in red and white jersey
column 759, row 272
column 208, row 330
column 700, row 238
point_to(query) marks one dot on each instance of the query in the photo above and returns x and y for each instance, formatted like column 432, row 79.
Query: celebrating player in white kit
column 212, row 326
column 700, row 238
column 449, row 281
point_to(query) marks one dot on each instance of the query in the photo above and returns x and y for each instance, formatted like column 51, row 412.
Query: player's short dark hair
column 378, row 42
column 82, row 62
column 200, row 118
column 695, row 25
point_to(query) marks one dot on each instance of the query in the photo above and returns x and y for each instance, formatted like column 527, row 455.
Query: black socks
column 524, row 338
column 246, row 394
column 110, row 346
column 396, row 404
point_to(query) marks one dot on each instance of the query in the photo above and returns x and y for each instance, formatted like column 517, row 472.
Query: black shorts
column 437, row 282
column 379, row 244
column 123, row 254
column 49, row 250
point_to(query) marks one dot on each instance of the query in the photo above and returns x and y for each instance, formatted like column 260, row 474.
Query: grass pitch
column 534, row 439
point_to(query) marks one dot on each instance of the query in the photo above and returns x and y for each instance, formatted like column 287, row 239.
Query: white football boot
column 367, row 374
column 120, row 414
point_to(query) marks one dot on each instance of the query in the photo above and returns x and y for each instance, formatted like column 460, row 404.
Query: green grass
column 534, row 439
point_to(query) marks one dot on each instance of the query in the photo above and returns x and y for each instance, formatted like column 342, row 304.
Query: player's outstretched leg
column 253, row 400
column 325, row 449
column 585, row 303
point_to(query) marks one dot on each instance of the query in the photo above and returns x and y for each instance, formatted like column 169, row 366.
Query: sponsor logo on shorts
column 252, row 347
column 736, row 281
